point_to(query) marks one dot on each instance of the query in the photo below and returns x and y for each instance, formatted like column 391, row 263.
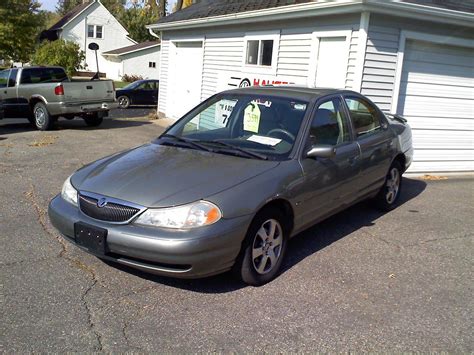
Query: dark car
column 230, row 183
column 140, row 92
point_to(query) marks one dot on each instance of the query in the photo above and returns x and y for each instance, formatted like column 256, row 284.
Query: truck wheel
column 93, row 120
column 42, row 119
column 123, row 101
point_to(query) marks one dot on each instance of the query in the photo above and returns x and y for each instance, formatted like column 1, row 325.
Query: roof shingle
column 211, row 8
column 132, row 48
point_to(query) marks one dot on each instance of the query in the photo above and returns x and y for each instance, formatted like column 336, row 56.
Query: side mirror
column 321, row 151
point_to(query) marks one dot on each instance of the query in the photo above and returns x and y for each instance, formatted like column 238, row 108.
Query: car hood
column 154, row 175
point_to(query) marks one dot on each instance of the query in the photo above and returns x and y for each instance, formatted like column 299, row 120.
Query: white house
column 92, row 22
column 138, row 59
column 412, row 57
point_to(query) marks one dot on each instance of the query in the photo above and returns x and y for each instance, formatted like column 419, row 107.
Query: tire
column 42, row 119
column 389, row 194
column 255, row 265
column 123, row 101
column 93, row 120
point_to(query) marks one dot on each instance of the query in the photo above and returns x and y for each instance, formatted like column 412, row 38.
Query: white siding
column 437, row 98
column 380, row 65
column 222, row 59
column 137, row 63
column 352, row 60
column 294, row 56
column 164, row 75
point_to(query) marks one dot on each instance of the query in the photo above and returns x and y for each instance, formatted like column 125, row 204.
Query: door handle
column 353, row 160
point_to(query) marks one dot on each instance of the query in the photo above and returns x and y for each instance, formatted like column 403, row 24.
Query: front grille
column 112, row 212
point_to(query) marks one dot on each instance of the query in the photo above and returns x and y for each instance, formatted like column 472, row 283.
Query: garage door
column 186, row 76
column 437, row 98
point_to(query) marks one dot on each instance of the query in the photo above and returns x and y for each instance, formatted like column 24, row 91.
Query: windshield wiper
column 187, row 141
column 235, row 148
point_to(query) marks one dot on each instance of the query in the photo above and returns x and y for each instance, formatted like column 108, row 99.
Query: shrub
column 62, row 53
column 131, row 78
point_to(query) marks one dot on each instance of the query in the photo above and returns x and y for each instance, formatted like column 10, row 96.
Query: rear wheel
column 389, row 194
column 93, row 120
column 123, row 101
column 42, row 119
column 263, row 249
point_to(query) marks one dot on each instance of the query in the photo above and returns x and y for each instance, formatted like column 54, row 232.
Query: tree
column 64, row 6
column 21, row 22
column 63, row 53
column 135, row 19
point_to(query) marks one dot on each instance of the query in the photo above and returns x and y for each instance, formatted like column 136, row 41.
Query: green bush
column 62, row 53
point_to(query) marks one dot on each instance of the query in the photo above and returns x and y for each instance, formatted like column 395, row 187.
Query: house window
column 151, row 64
column 94, row 31
column 90, row 31
column 98, row 31
column 260, row 52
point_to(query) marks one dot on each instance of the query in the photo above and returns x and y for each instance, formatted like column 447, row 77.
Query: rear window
column 42, row 75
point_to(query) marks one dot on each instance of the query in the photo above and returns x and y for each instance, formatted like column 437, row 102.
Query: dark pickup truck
column 43, row 94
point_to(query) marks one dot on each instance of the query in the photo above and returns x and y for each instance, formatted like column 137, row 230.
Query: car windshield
column 131, row 85
column 251, row 126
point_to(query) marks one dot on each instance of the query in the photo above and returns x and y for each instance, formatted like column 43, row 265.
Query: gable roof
column 132, row 48
column 231, row 9
column 68, row 17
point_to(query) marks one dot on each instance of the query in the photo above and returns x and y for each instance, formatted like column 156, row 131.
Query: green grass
column 120, row 84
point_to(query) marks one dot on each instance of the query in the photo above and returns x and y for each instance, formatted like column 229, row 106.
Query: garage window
column 151, row 64
column 260, row 52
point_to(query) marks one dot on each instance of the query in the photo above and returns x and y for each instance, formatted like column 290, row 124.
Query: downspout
column 150, row 30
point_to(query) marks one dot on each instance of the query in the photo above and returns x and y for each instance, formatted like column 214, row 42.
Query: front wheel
column 42, row 119
column 389, row 194
column 263, row 249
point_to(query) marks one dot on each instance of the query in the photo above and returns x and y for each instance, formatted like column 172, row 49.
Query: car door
column 374, row 139
column 4, row 74
column 156, row 88
column 329, row 182
column 142, row 94
column 8, row 93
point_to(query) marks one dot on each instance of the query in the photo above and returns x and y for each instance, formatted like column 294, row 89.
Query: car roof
column 300, row 92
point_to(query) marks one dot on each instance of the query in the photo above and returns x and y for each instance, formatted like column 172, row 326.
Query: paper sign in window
column 252, row 118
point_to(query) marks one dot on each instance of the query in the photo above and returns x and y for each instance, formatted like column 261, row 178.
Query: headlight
column 194, row 215
column 69, row 193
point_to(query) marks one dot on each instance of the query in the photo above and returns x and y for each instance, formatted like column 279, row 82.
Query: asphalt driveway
column 360, row 281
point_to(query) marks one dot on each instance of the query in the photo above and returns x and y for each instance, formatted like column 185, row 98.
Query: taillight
column 59, row 90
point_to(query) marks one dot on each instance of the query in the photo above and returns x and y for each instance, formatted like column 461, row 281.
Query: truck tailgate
column 88, row 91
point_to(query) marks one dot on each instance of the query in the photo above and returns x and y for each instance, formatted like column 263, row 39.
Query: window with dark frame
column 98, row 31
column 151, row 64
column 259, row 52
column 90, row 31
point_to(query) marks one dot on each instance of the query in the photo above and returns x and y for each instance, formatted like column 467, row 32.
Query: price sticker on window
column 252, row 118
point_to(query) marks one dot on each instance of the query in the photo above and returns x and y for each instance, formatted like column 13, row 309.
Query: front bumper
column 61, row 108
column 192, row 253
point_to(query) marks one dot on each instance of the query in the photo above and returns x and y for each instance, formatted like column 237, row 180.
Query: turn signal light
column 59, row 90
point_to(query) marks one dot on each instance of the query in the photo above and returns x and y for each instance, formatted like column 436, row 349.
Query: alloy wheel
column 267, row 246
column 393, row 185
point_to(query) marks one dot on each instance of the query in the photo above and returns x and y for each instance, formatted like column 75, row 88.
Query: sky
column 50, row 5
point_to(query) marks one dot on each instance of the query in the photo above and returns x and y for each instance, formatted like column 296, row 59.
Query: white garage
column 437, row 97
column 410, row 57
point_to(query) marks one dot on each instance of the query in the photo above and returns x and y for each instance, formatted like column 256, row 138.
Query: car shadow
column 300, row 247
column 20, row 125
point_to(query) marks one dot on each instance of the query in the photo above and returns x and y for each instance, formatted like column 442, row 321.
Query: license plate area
column 90, row 237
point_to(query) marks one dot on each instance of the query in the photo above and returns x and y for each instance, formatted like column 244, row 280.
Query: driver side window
column 330, row 125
